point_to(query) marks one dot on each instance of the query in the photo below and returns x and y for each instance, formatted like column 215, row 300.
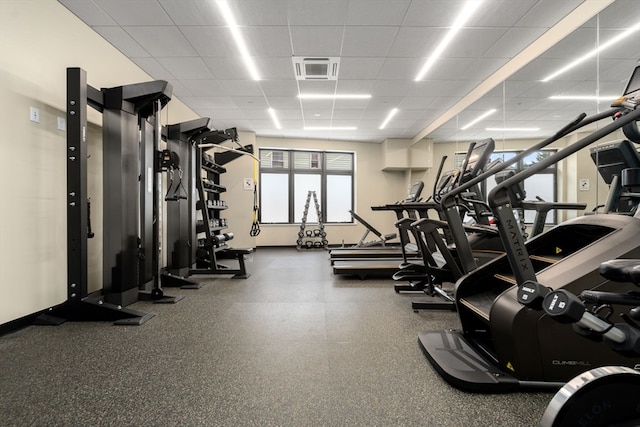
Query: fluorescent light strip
column 330, row 128
column 480, row 117
column 237, row 37
column 583, row 98
column 468, row 10
column 336, row 96
column 389, row 117
column 591, row 54
column 276, row 122
column 512, row 129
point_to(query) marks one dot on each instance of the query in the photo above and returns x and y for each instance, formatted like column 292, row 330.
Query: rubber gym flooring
column 293, row 345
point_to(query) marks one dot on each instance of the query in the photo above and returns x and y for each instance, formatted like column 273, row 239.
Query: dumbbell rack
column 212, row 240
column 317, row 237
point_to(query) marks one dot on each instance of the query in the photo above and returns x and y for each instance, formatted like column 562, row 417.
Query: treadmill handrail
column 448, row 198
column 448, row 202
column 499, row 198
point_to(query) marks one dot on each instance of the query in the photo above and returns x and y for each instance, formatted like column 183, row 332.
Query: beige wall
column 372, row 187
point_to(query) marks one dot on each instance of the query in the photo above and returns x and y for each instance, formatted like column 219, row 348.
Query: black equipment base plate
column 462, row 366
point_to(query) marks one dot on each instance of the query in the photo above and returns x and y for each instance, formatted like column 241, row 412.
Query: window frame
column 316, row 158
column 519, row 166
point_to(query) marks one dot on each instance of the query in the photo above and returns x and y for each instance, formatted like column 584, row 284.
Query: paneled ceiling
column 494, row 62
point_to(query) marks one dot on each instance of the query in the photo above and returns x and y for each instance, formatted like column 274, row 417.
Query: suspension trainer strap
column 255, row 225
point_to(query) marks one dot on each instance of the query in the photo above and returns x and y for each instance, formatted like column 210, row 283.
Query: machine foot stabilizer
column 465, row 367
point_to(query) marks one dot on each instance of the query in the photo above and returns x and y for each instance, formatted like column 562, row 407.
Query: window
column 287, row 177
column 542, row 184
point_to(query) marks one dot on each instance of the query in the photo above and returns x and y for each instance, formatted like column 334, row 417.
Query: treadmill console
column 478, row 158
column 613, row 157
column 414, row 192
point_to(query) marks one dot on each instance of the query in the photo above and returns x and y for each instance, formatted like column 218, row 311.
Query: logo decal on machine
column 570, row 363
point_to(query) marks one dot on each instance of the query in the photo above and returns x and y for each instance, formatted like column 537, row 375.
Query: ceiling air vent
column 316, row 68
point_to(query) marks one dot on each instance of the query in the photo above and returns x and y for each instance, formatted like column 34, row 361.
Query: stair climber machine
column 504, row 346
column 606, row 395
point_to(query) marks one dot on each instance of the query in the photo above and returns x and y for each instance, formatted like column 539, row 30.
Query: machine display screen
column 633, row 87
column 415, row 191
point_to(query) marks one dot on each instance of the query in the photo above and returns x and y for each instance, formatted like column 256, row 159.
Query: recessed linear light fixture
column 583, row 98
column 330, row 128
column 512, row 129
column 334, row 96
column 469, row 8
column 237, row 37
column 477, row 119
column 388, row 119
column 274, row 117
column 588, row 55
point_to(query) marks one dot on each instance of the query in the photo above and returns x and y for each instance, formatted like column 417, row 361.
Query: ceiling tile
column 152, row 67
column 240, row 88
column 260, row 12
column 432, row 13
column 226, row 68
column 282, row 88
column 192, row 12
column 186, row 68
column 360, row 68
column 161, row 42
column 368, row 41
column 316, row 41
column 283, row 102
column 416, row 42
column 122, row 41
column 135, row 12
column 545, row 13
column 207, row 87
column 391, row 88
column 313, row 12
column 267, row 41
column 377, row 12
column 88, row 12
column 248, row 103
column 400, row 69
column 210, row 41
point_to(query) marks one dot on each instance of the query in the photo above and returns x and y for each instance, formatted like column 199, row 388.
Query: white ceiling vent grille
column 316, row 68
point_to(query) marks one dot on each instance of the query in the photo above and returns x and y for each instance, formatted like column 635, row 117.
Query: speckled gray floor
column 291, row 346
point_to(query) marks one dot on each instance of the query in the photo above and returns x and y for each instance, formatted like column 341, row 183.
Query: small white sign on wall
column 583, row 184
column 247, row 184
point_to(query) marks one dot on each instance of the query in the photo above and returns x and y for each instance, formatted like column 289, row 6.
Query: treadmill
column 382, row 262
column 476, row 160
column 392, row 252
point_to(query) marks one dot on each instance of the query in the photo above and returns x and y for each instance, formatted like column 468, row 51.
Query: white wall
column 39, row 39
